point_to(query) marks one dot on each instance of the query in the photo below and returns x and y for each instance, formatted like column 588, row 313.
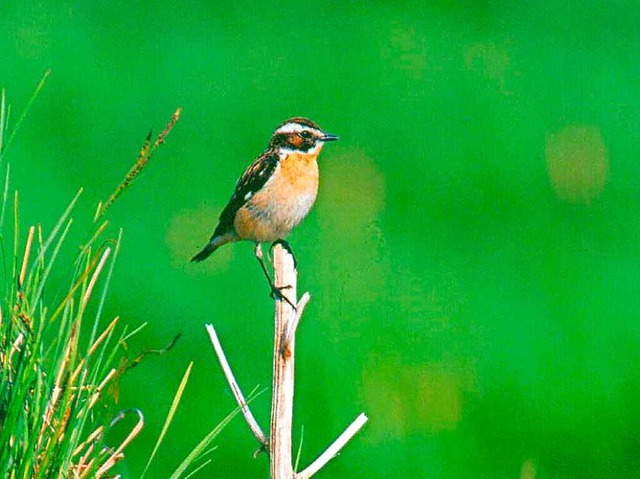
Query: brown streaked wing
column 251, row 181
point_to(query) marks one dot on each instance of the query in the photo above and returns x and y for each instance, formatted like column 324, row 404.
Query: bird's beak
column 329, row 137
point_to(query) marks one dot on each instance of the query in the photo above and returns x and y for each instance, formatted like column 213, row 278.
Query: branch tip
column 334, row 448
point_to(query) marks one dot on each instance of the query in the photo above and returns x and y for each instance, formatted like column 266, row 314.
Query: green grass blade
column 170, row 415
column 126, row 335
column 297, row 462
column 55, row 230
column 3, row 119
column 197, row 469
column 24, row 113
column 202, row 445
column 105, row 288
column 16, row 241
column 3, row 206
column 5, row 196
column 47, row 270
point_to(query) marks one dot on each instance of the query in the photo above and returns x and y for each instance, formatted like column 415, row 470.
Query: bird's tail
column 212, row 245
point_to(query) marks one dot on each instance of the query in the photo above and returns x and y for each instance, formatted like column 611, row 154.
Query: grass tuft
column 59, row 364
column 54, row 405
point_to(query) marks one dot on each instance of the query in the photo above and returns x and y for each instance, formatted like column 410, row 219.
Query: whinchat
column 275, row 192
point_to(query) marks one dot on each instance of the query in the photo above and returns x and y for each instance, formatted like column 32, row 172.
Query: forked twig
column 287, row 319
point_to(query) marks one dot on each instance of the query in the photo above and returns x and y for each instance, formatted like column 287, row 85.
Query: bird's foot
column 276, row 293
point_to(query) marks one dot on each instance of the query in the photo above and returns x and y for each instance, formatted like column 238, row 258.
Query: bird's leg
column 276, row 291
column 258, row 252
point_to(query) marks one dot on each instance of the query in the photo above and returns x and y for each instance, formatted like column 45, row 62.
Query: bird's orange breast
column 283, row 201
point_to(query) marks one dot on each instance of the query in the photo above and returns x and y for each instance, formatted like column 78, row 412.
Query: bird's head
column 300, row 135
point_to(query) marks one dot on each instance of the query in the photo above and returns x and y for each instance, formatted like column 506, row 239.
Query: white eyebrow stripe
column 289, row 128
column 295, row 128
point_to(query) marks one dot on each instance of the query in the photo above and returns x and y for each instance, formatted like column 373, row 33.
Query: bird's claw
column 276, row 293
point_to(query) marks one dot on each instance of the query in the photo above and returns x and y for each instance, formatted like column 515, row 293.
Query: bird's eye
column 306, row 134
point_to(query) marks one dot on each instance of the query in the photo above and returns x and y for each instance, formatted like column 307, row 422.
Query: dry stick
column 283, row 361
column 286, row 322
column 233, row 384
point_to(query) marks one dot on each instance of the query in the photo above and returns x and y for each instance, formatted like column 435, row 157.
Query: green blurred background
column 474, row 254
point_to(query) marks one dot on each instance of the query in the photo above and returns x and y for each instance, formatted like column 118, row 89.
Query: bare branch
column 288, row 312
column 233, row 384
column 334, row 448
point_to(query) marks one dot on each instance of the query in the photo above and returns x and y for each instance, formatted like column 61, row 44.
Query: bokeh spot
column 577, row 163
column 412, row 399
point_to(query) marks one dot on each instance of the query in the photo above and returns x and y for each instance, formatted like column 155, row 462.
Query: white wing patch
column 248, row 195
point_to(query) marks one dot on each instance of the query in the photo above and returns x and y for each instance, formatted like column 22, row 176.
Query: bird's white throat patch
column 284, row 152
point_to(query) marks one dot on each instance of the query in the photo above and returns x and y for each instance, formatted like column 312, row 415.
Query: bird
column 274, row 194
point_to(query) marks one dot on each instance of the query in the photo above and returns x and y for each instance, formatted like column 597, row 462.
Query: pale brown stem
column 283, row 368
